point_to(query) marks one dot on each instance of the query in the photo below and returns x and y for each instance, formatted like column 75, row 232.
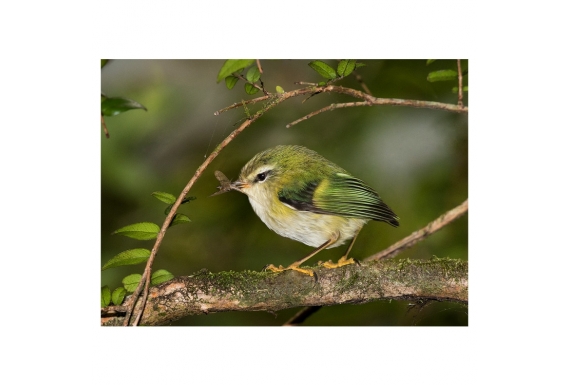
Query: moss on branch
column 439, row 279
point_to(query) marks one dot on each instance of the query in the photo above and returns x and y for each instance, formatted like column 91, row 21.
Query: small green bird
column 301, row 195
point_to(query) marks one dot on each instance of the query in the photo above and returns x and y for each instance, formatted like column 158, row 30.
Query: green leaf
column 231, row 81
column 131, row 282
column 442, row 75
column 141, row 231
column 323, row 69
column 179, row 219
column 160, row 276
column 164, row 197
column 187, row 199
column 279, row 90
column 118, row 295
column 455, row 89
column 184, row 201
column 358, row 65
column 116, row 106
column 250, row 89
column 233, row 65
column 345, row 67
column 430, row 61
column 128, row 257
column 104, row 62
column 105, row 296
column 253, row 74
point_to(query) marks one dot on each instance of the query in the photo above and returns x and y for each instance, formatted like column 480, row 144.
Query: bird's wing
column 342, row 195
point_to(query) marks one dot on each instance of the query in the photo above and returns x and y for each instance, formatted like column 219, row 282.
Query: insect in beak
column 226, row 185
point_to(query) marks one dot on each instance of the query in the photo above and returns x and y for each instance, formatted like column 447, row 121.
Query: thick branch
column 205, row 292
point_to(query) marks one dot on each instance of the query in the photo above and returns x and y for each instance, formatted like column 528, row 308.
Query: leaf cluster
column 231, row 72
column 344, row 68
column 130, row 283
column 141, row 231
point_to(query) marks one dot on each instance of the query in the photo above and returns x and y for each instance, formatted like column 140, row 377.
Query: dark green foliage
column 250, row 89
column 127, row 257
column 323, row 69
column 164, row 197
column 442, row 75
column 160, row 276
column 118, row 295
column 345, row 67
column 130, row 282
column 233, row 65
column 105, row 296
column 184, row 201
column 253, row 74
column 116, row 106
column 142, row 231
column 231, row 81
column 179, row 219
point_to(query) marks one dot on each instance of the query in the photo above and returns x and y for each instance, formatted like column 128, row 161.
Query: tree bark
column 205, row 292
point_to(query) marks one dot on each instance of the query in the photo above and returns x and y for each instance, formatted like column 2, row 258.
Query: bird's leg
column 343, row 260
column 295, row 265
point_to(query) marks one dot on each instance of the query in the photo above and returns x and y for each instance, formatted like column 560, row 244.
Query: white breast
column 307, row 227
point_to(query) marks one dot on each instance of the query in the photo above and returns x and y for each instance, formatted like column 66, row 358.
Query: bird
column 303, row 196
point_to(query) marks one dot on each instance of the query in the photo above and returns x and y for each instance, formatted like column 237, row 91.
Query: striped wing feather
column 342, row 195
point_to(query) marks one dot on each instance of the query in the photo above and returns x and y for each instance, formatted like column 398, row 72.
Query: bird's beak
column 238, row 185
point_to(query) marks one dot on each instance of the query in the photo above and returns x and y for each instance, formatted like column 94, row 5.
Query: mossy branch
column 205, row 292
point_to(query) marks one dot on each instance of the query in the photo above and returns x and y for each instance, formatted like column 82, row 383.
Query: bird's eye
column 261, row 176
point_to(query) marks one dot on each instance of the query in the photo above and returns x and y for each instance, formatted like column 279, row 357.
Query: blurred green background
column 415, row 158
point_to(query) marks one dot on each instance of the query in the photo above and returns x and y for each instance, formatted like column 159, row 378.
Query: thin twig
column 421, row 234
column 328, row 108
column 460, row 90
column 362, row 84
column 240, row 104
column 253, row 84
column 104, row 127
column 145, row 293
column 302, row 315
column 306, row 83
column 259, row 66
column 359, row 95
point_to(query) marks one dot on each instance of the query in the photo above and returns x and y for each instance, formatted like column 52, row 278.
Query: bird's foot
column 291, row 267
column 341, row 262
